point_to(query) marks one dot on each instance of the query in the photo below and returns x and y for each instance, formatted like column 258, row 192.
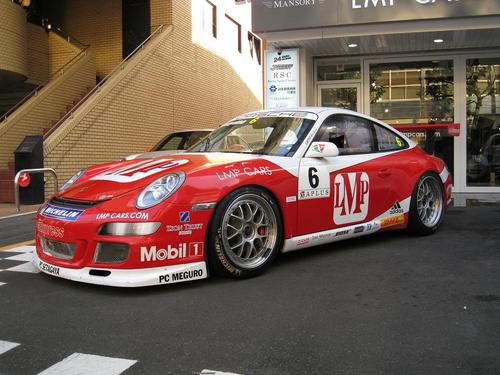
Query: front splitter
column 127, row 277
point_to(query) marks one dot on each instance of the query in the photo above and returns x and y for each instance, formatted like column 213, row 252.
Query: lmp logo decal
column 351, row 196
column 137, row 171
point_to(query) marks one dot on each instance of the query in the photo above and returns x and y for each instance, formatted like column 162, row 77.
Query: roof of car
column 315, row 110
column 192, row 130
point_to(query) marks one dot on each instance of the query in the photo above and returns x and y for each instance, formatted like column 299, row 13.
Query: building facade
column 114, row 77
column 430, row 68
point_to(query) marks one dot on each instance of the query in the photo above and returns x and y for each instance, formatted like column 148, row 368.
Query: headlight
column 160, row 190
column 72, row 180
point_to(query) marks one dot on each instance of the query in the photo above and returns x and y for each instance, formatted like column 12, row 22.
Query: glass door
column 340, row 95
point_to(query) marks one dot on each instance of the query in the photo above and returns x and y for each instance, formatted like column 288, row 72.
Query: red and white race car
column 265, row 182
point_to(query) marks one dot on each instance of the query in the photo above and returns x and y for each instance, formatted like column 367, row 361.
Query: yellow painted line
column 25, row 243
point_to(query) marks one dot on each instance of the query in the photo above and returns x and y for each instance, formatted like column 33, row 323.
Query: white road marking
column 21, row 249
column 5, row 346
column 28, row 267
column 23, row 257
column 214, row 372
column 82, row 364
column 24, row 254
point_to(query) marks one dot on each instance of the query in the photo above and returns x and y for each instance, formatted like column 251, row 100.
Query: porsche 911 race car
column 264, row 182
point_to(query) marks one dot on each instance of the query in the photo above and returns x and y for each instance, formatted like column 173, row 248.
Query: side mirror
column 322, row 150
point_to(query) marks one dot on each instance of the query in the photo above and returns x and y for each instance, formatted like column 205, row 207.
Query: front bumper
column 126, row 277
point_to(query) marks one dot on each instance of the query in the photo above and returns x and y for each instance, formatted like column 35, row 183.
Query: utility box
column 29, row 155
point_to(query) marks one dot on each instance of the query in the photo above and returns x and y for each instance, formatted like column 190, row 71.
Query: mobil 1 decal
column 314, row 183
column 351, row 193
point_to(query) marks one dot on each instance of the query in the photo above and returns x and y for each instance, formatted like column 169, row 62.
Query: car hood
column 110, row 180
column 152, row 154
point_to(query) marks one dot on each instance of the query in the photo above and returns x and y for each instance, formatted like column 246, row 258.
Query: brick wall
column 13, row 45
column 161, row 13
column 174, row 84
column 38, row 55
column 39, row 112
column 98, row 24
column 60, row 52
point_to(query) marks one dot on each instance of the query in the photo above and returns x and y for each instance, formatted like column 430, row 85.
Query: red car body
column 358, row 195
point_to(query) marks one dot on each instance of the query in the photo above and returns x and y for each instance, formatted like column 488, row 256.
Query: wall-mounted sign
column 274, row 15
column 282, row 79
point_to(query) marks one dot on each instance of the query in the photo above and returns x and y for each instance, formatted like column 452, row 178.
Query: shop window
column 335, row 70
column 254, row 43
column 483, row 122
column 417, row 98
column 209, row 19
column 233, row 33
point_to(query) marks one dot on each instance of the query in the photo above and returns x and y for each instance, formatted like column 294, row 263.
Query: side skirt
column 353, row 231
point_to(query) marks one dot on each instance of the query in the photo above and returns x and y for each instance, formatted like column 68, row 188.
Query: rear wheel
column 245, row 235
column 427, row 205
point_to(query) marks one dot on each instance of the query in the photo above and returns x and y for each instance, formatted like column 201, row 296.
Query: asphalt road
column 384, row 304
column 16, row 229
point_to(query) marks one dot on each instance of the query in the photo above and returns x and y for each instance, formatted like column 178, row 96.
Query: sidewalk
column 9, row 209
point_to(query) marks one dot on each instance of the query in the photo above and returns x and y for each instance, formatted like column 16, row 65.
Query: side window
column 351, row 134
column 387, row 140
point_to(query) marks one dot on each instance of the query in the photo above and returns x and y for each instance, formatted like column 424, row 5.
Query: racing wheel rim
column 429, row 201
column 249, row 231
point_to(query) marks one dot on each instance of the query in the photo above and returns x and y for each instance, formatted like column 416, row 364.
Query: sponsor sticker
column 359, row 229
column 182, row 276
column 303, row 241
column 342, row 233
column 184, row 217
column 392, row 221
column 318, row 147
column 123, row 215
column 248, row 171
column 183, row 250
column 291, row 199
column 396, row 209
column 49, row 230
column 45, row 267
column 184, row 229
column 314, row 183
column 351, row 196
column 61, row 213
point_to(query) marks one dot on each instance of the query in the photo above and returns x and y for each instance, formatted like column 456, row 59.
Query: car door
column 347, row 189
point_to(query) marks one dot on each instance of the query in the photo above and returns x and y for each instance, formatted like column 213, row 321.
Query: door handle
column 386, row 172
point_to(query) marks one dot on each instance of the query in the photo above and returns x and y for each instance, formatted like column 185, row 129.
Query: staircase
column 41, row 110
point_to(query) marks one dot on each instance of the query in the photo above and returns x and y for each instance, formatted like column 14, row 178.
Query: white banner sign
column 282, row 79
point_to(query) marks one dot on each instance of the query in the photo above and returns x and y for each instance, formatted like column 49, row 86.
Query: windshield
column 277, row 136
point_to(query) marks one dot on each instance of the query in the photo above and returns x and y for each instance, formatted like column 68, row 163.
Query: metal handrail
column 33, row 92
column 101, row 83
column 34, row 170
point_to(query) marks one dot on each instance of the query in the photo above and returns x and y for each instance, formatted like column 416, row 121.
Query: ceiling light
column 438, row 40
column 352, row 45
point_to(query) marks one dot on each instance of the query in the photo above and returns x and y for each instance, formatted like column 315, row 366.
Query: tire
column 427, row 205
column 245, row 235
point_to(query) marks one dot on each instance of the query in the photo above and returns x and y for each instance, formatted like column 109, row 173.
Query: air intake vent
column 73, row 203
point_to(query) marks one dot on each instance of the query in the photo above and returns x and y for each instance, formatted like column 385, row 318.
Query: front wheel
column 245, row 235
column 427, row 205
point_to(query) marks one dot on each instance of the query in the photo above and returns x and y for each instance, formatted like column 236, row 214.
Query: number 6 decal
column 313, row 177
column 314, row 183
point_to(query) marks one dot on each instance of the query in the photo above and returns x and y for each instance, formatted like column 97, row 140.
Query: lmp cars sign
column 275, row 15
